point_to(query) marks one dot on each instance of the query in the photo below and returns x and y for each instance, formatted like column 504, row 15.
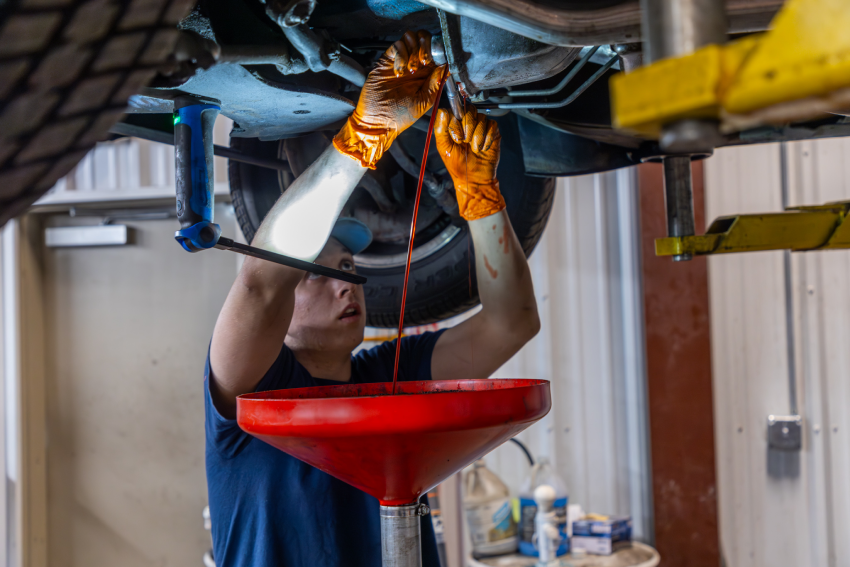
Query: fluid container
column 541, row 473
column 489, row 515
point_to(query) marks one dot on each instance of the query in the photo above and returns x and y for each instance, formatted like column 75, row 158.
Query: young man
column 283, row 328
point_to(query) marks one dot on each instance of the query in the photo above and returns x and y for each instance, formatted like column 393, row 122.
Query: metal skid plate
column 548, row 152
column 260, row 107
column 484, row 57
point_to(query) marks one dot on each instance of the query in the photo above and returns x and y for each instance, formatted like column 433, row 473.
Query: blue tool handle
column 193, row 154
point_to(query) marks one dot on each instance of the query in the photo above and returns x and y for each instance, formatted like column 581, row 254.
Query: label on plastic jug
column 492, row 527
column 527, row 511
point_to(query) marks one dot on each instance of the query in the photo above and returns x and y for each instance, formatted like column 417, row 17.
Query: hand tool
column 193, row 151
column 438, row 54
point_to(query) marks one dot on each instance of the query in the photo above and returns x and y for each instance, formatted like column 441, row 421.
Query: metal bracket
column 785, row 432
column 820, row 227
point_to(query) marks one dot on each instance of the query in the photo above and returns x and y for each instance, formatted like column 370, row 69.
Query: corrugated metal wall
column 130, row 168
column 586, row 278
column 799, row 517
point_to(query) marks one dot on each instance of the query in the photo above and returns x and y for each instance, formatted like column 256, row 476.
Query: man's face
column 329, row 314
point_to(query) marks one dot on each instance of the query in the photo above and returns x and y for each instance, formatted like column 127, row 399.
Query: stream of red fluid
column 413, row 224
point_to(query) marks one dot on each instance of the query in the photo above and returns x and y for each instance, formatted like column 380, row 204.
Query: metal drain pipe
column 401, row 538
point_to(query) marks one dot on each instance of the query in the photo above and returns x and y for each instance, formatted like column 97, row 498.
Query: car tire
column 67, row 69
column 442, row 284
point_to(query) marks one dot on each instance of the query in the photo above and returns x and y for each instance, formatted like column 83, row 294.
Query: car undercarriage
column 289, row 72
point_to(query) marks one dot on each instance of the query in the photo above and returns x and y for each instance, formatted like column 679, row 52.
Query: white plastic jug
column 541, row 473
column 487, row 503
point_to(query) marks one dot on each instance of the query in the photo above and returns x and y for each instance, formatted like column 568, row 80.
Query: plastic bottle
column 547, row 535
column 541, row 473
column 489, row 515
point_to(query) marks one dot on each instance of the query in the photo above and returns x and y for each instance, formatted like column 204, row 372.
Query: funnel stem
column 401, row 540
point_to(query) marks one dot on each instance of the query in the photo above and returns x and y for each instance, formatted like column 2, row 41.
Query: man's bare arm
column 508, row 318
column 252, row 325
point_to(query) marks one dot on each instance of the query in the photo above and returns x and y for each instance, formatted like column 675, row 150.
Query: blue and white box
column 602, row 535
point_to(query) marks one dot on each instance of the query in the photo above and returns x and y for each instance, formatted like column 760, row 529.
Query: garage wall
column 798, row 513
column 127, row 329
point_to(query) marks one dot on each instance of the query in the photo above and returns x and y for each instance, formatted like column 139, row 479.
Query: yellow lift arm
column 822, row 227
column 797, row 70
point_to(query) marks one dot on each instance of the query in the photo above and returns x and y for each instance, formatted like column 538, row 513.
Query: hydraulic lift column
column 673, row 28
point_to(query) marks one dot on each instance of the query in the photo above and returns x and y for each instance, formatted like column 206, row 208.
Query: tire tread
column 80, row 30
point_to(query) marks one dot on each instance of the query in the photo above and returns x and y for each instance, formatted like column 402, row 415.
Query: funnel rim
column 293, row 394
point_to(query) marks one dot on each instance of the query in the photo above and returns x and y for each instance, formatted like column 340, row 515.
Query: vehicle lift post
column 795, row 71
column 673, row 28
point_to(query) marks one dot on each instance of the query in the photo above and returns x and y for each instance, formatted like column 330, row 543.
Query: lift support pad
column 822, row 227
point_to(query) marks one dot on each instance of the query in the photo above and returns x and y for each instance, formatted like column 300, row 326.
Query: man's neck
column 324, row 364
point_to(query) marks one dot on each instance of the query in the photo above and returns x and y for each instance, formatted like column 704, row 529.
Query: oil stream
column 413, row 223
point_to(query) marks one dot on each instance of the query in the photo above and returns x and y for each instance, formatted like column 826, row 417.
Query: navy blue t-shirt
column 271, row 510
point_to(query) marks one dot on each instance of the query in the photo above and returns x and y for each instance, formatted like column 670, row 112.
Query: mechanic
column 281, row 328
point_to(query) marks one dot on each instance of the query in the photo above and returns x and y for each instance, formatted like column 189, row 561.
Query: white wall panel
column 799, row 519
column 131, row 165
column 820, row 173
column 127, row 335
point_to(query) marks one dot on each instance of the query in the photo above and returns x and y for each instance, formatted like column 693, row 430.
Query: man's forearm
column 508, row 319
column 504, row 280
column 301, row 220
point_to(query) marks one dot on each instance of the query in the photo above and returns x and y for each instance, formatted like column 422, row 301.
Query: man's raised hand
column 398, row 91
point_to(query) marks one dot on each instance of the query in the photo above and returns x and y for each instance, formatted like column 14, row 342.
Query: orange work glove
column 397, row 92
column 470, row 150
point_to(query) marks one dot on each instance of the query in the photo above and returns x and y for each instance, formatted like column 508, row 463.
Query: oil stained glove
column 397, row 93
column 470, row 150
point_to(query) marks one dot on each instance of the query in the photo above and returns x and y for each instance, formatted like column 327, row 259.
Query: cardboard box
column 602, row 535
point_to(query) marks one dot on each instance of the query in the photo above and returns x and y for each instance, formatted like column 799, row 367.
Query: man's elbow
column 259, row 279
column 535, row 325
column 530, row 325
column 521, row 328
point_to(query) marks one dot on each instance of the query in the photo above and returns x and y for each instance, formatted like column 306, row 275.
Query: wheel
column 441, row 282
column 67, row 69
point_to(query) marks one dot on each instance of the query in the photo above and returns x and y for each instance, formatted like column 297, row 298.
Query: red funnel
column 394, row 447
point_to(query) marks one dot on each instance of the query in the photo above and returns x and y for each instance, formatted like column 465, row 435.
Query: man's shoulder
column 408, row 342
column 414, row 361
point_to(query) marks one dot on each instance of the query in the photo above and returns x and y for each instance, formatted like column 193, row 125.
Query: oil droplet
column 507, row 239
column 493, row 272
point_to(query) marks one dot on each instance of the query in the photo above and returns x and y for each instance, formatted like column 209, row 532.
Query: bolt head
column 690, row 137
